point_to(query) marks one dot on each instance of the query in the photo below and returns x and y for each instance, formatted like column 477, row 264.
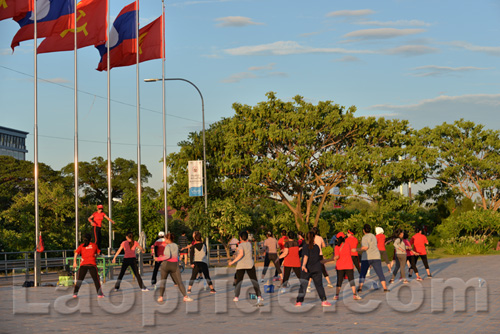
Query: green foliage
column 468, row 245
column 466, row 157
column 328, row 252
column 470, row 223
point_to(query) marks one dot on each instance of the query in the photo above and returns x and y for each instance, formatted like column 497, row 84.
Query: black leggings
column 155, row 272
column 172, row 269
column 253, row 277
column 287, row 271
column 271, row 257
column 323, row 268
column 132, row 262
column 82, row 272
column 318, row 283
column 412, row 259
column 355, row 260
column 200, row 267
column 345, row 272
column 97, row 236
column 424, row 260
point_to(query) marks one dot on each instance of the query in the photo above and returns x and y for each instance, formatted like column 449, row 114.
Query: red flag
column 13, row 8
column 40, row 248
column 91, row 28
column 150, row 46
column 122, row 38
column 50, row 13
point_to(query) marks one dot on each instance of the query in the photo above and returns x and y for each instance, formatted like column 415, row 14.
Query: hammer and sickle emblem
column 3, row 3
column 141, row 40
column 78, row 29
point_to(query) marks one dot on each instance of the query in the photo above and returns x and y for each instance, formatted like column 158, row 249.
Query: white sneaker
column 262, row 280
column 260, row 301
column 235, row 299
column 188, row 299
column 145, row 289
column 309, row 289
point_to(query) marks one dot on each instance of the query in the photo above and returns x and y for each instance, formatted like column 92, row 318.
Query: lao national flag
column 13, row 8
column 90, row 26
column 49, row 14
column 150, row 46
column 122, row 38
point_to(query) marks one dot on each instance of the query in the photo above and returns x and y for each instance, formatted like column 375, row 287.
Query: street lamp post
column 204, row 149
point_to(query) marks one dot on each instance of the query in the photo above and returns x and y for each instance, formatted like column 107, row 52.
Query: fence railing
column 12, row 262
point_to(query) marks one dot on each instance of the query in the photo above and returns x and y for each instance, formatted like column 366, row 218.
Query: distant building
column 13, row 143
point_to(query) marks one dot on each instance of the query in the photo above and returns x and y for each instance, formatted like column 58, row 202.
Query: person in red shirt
column 291, row 259
column 353, row 242
column 157, row 250
column 129, row 259
column 345, row 266
column 96, row 221
column 379, row 231
column 419, row 241
column 88, row 251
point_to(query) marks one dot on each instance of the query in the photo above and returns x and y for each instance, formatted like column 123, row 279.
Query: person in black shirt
column 311, row 268
column 183, row 247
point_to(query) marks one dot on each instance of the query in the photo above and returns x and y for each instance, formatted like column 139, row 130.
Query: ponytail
column 310, row 239
column 130, row 235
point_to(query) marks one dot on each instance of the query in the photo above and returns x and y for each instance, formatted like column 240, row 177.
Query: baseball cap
column 340, row 234
column 161, row 234
column 100, row 206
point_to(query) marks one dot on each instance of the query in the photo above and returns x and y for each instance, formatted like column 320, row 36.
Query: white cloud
column 282, row 48
column 268, row 67
column 350, row 13
column 236, row 21
column 411, row 50
column 348, row 59
column 381, row 33
column 398, row 23
column 479, row 108
column 237, row 77
column 491, row 50
column 433, row 70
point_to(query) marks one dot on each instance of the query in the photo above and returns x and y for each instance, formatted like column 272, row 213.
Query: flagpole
column 110, row 190
column 164, row 118
column 37, row 268
column 139, row 216
column 76, row 126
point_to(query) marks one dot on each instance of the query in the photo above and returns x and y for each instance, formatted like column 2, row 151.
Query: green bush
column 470, row 223
column 327, row 252
column 468, row 245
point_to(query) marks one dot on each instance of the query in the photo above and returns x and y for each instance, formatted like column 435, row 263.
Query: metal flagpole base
column 37, row 269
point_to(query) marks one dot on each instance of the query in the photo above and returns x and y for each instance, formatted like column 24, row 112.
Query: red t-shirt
column 292, row 259
column 159, row 245
column 129, row 252
column 353, row 242
column 380, row 241
column 98, row 217
column 281, row 242
column 418, row 241
column 345, row 261
column 88, row 254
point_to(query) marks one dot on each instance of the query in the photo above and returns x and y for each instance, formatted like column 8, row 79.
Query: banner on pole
column 195, row 173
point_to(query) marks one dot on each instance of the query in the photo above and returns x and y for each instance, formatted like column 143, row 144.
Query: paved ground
column 415, row 308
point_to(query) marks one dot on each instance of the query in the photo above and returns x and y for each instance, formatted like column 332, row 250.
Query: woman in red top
column 96, row 221
column 88, row 250
column 353, row 242
column 129, row 246
column 291, row 258
column 381, row 246
column 411, row 256
column 345, row 266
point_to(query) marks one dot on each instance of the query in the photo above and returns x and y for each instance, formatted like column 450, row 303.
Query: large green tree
column 466, row 157
column 297, row 153
column 93, row 178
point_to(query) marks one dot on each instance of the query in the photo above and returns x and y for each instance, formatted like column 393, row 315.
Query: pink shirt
column 129, row 252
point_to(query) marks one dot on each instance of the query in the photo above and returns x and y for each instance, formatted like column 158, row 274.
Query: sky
column 425, row 61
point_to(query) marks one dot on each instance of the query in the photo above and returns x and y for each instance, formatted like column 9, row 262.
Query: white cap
column 161, row 234
column 379, row 230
